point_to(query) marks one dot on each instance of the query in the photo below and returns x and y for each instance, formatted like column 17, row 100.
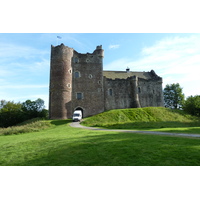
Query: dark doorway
column 79, row 108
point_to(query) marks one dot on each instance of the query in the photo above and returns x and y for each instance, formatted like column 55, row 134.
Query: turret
column 99, row 51
column 60, row 90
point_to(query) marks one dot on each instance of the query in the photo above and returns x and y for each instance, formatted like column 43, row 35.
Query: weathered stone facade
column 78, row 82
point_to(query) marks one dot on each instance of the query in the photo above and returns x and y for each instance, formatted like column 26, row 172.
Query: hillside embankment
column 148, row 117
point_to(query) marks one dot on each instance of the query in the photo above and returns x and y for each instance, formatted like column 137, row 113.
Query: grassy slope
column 33, row 125
column 64, row 145
column 149, row 118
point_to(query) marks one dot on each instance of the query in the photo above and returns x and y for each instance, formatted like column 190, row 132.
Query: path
column 78, row 125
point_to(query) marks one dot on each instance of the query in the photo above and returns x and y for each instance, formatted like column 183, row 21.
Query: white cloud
column 176, row 59
column 114, row 46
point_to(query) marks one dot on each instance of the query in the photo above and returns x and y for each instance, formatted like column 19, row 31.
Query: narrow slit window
column 110, row 91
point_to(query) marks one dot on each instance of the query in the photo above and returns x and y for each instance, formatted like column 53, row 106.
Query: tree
column 192, row 105
column 10, row 113
column 13, row 113
column 34, row 108
column 173, row 96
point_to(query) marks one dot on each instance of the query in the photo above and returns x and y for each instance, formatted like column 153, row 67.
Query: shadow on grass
column 61, row 122
column 116, row 149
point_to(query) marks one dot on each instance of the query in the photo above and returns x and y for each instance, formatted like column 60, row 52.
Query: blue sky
column 25, row 59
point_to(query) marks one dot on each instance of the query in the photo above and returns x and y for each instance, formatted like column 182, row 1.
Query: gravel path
column 78, row 125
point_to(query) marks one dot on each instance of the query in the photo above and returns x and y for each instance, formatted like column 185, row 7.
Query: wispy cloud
column 114, row 46
column 13, row 51
column 172, row 56
column 119, row 64
column 24, row 70
column 176, row 59
column 20, row 87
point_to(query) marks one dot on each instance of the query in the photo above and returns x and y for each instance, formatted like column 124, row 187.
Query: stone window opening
column 139, row 90
column 77, row 74
column 79, row 95
column 90, row 76
column 76, row 60
column 110, row 92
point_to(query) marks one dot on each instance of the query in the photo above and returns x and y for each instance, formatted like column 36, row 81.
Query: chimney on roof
column 127, row 69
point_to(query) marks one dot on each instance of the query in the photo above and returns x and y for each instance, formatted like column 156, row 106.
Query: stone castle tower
column 78, row 82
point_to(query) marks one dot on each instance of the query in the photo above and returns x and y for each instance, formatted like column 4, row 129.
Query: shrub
column 192, row 105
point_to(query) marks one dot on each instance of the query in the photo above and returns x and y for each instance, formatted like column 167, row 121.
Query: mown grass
column 62, row 145
column 149, row 118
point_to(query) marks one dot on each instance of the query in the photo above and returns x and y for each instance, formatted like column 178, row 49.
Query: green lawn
column 62, row 145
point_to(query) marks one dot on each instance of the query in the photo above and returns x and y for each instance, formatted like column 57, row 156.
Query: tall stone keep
column 60, row 94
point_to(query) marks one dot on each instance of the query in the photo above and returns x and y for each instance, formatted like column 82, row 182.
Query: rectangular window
column 77, row 74
column 79, row 96
column 76, row 60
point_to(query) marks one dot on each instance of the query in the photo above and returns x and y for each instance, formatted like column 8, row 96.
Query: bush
column 192, row 105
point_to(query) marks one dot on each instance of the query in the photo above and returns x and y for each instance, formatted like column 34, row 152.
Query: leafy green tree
column 192, row 105
column 13, row 113
column 10, row 113
column 173, row 96
column 34, row 108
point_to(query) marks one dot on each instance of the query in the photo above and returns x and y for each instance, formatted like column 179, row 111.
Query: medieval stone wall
column 150, row 93
column 118, row 93
column 133, row 92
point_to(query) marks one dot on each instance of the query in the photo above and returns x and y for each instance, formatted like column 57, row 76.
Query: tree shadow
column 118, row 149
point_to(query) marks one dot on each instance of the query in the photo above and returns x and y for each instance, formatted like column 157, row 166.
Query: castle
column 78, row 82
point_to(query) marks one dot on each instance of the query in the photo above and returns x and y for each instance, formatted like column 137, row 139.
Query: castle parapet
column 99, row 51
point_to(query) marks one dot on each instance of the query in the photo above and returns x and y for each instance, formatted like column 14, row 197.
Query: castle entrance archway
column 81, row 109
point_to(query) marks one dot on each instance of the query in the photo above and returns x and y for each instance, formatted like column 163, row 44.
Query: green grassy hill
column 148, row 117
